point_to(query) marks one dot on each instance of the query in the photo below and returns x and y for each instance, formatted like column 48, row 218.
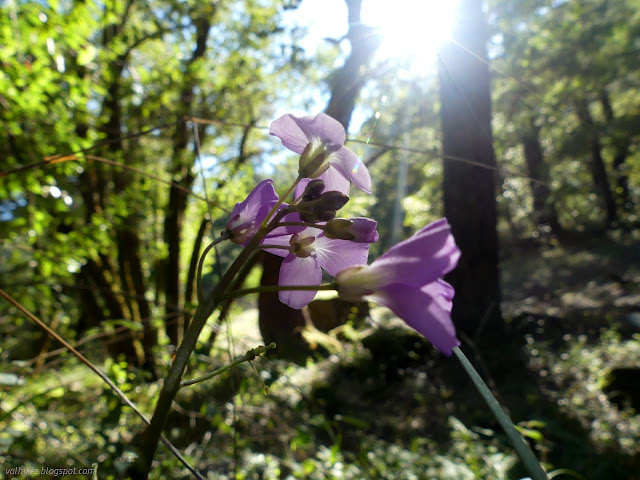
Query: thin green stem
column 247, row 357
column 280, row 202
column 301, row 224
column 152, row 434
column 224, row 236
column 267, row 245
column 278, row 288
column 526, row 454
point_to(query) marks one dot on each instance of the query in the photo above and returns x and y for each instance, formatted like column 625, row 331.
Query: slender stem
column 526, row 454
column 224, row 236
column 98, row 372
column 247, row 357
column 278, row 288
column 279, row 202
column 301, row 224
column 266, row 245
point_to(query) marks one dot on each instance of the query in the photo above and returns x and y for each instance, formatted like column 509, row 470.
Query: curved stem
column 171, row 385
column 280, row 202
column 224, row 236
column 278, row 288
column 247, row 357
column 528, row 457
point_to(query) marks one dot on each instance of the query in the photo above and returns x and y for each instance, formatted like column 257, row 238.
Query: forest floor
column 570, row 377
column 380, row 402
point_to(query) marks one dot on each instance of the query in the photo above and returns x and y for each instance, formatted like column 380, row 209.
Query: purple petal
column 442, row 292
column 289, row 133
column 288, row 230
column 352, row 168
column 335, row 181
column 336, row 255
column 262, row 194
column 423, row 312
column 302, row 184
column 418, row 260
column 299, row 271
column 364, row 229
column 323, row 127
column 433, row 226
column 282, row 240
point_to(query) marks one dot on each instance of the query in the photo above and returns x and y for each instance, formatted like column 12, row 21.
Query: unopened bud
column 339, row 229
column 359, row 230
column 312, row 159
column 323, row 208
column 313, row 190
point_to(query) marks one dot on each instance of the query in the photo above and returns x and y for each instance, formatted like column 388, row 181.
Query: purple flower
column 247, row 216
column 320, row 142
column 310, row 251
column 406, row 279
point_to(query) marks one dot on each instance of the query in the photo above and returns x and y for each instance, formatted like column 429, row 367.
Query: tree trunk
column 544, row 212
column 622, row 144
column 597, row 167
column 469, row 191
column 278, row 322
column 178, row 198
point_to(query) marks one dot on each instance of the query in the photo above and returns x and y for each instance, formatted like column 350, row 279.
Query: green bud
column 339, row 229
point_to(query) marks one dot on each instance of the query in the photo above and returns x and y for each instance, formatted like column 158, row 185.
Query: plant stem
column 171, row 384
column 98, row 372
column 205, row 308
column 247, row 357
column 279, row 202
column 526, row 454
column 224, row 236
column 264, row 246
column 278, row 288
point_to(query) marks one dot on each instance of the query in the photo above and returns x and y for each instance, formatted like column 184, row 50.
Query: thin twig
column 247, row 357
column 98, row 372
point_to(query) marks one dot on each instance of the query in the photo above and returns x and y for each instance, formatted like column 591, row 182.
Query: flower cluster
column 307, row 234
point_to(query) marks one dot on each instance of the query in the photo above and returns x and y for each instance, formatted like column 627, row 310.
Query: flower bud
column 312, row 159
column 359, row 230
column 313, row 190
column 323, row 208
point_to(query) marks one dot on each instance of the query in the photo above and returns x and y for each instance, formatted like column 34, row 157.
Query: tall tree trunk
column 277, row 320
column 622, row 144
column 544, row 211
column 469, row 191
column 597, row 167
column 177, row 204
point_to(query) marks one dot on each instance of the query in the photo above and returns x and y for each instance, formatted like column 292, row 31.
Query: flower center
column 301, row 245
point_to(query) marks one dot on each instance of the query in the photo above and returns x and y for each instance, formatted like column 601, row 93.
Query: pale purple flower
column 406, row 279
column 323, row 135
column 247, row 216
column 309, row 252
